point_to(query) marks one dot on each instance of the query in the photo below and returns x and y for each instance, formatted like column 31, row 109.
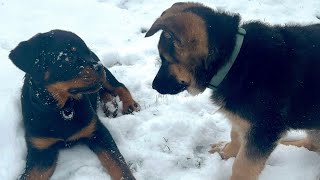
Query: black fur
column 53, row 53
column 221, row 46
column 273, row 84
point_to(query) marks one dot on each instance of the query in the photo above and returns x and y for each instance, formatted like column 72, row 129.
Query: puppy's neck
column 222, row 29
column 224, row 70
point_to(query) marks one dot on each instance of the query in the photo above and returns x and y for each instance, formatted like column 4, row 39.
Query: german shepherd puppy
column 63, row 81
column 265, row 78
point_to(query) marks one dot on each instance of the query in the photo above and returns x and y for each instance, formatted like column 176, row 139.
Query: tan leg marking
column 112, row 167
column 39, row 174
column 239, row 128
column 230, row 149
column 43, row 143
column 85, row 132
column 246, row 169
column 299, row 143
column 314, row 137
column 129, row 105
column 311, row 142
column 243, row 168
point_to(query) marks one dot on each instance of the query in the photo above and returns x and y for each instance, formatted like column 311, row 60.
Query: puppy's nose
column 153, row 86
column 98, row 68
column 155, row 83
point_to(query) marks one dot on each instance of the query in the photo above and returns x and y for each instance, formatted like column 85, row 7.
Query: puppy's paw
column 111, row 108
column 218, row 148
column 130, row 106
column 225, row 150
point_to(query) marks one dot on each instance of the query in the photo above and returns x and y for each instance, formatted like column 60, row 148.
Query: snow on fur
column 169, row 138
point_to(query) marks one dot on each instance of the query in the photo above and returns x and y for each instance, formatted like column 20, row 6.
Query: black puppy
column 62, row 85
column 265, row 78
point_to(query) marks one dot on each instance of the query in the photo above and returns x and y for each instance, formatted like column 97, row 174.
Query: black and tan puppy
column 265, row 78
column 63, row 82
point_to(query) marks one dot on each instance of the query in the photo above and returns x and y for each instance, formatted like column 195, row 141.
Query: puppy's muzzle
column 90, row 80
column 165, row 83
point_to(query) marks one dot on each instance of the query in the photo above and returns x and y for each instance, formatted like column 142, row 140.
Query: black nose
column 158, row 83
column 167, row 85
column 153, row 86
column 98, row 68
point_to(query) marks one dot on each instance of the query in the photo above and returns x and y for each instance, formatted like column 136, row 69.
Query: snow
column 170, row 137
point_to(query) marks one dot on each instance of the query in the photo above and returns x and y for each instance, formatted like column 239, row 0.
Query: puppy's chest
column 61, row 123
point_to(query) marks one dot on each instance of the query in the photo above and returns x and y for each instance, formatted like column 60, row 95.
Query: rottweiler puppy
column 63, row 84
column 265, row 78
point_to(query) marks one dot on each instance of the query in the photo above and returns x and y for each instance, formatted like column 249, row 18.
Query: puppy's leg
column 230, row 149
column 311, row 142
column 314, row 137
column 108, row 153
column 40, row 164
column 257, row 145
column 113, row 87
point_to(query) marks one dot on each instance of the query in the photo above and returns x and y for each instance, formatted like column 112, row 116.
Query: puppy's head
column 188, row 49
column 61, row 62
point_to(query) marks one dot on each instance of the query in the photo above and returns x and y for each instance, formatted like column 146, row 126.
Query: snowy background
column 170, row 138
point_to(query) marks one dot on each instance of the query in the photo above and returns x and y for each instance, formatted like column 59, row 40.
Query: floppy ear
column 170, row 17
column 187, row 31
column 156, row 26
column 27, row 55
column 163, row 23
column 178, row 27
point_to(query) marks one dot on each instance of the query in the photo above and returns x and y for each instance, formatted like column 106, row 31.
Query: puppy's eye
column 167, row 35
column 73, row 49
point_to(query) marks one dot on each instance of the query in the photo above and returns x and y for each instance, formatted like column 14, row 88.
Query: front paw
column 225, row 150
column 110, row 108
column 130, row 106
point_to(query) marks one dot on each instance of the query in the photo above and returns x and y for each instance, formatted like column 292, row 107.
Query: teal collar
column 223, row 71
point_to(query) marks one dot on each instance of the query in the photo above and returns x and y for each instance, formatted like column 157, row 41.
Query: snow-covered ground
column 169, row 138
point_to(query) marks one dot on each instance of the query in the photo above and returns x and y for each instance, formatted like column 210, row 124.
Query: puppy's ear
column 160, row 24
column 185, row 28
column 27, row 55
column 169, row 25
column 168, row 19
